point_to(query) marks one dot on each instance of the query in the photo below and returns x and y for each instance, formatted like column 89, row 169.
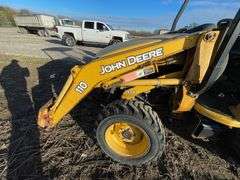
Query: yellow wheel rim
column 127, row 140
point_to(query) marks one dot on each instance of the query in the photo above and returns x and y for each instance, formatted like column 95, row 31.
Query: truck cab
column 96, row 31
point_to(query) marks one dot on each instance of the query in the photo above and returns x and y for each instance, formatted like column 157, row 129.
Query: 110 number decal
column 81, row 87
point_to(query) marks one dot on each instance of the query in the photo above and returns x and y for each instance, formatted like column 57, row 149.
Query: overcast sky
column 133, row 14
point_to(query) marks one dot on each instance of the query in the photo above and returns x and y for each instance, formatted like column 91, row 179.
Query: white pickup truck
column 91, row 32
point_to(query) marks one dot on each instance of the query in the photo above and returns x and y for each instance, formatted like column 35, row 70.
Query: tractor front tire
column 130, row 132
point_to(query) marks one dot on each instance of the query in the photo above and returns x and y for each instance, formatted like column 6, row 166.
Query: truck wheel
column 41, row 33
column 23, row 30
column 68, row 40
column 46, row 33
column 130, row 132
column 115, row 41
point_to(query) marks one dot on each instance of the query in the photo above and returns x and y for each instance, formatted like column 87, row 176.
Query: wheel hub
column 127, row 135
column 127, row 139
column 69, row 41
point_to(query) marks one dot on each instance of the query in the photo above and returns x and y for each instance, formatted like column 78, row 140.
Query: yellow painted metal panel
column 203, row 57
column 216, row 116
column 185, row 103
column 133, row 92
column 87, row 77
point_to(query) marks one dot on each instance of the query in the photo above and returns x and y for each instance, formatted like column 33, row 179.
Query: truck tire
column 68, row 40
column 115, row 41
column 40, row 32
column 23, row 30
column 47, row 33
column 130, row 132
column 43, row 33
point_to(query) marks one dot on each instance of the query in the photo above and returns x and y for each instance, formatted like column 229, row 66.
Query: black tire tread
column 115, row 41
column 143, row 112
column 64, row 38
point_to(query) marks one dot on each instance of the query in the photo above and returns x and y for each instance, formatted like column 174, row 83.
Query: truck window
column 68, row 22
column 89, row 25
column 102, row 27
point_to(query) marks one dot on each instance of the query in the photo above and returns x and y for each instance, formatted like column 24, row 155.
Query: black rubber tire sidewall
column 23, row 30
column 115, row 41
column 157, row 144
column 40, row 33
column 66, row 37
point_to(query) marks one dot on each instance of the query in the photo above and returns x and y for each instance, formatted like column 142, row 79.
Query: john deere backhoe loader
column 188, row 63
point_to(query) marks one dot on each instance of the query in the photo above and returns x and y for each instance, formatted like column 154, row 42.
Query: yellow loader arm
column 121, row 67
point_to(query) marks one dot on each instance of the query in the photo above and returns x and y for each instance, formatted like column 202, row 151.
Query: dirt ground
column 14, row 43
column 28, row 79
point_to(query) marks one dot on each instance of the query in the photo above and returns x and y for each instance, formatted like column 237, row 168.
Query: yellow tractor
column 189, row 63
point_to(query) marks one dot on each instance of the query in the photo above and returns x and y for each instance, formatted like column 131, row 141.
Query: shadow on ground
column 52, row 77
column 55, row 41
column 24, row 158
column 71, row 54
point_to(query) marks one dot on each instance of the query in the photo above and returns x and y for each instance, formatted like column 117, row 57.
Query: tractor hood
column 137, row 42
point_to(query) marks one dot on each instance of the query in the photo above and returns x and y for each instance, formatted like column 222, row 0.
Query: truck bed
column 76, row 30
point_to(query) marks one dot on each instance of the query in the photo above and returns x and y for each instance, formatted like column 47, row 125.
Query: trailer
column 37, row 24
